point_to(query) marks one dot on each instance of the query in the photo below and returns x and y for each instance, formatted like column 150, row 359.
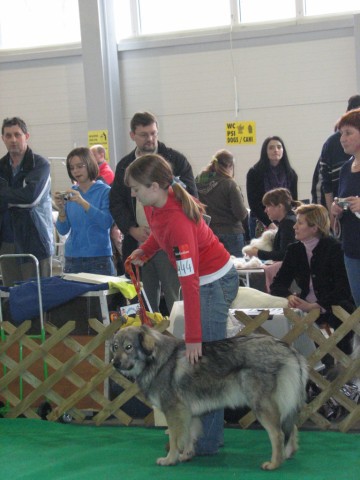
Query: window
column 123, row 20
column 265, row 10
column 321, row 7
column 159, row 16
column 33, row 23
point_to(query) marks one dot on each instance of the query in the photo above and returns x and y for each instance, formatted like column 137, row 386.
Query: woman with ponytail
column 207, row 276
column 224, row 201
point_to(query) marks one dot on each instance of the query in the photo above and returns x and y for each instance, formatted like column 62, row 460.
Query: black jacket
column 255, row 190
column 284, row 236
column 123, row 205
column 327, row 271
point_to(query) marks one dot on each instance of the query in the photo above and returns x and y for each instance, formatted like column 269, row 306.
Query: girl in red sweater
column 207, row 276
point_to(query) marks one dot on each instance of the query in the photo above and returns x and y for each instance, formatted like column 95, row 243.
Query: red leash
column 135, row 278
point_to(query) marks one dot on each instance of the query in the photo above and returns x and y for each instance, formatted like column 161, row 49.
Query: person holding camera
column 346, row 207
column 85, row 217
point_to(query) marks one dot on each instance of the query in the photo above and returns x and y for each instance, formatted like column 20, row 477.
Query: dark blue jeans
column 352, row 266
column 99, row 265
column 233, row 242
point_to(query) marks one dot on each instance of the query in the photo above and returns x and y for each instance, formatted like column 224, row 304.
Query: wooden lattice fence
column 72, row 377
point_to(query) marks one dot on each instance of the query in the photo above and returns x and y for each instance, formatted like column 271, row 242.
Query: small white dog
column 265, row 242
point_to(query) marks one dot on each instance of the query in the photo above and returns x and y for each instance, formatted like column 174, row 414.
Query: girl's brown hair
column 151, row 168
column 87, row 157
column 281, row 196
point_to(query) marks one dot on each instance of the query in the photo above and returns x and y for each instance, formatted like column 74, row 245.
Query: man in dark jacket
column 157, row 274
column 25, row 206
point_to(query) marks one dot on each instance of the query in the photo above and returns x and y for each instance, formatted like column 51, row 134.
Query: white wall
column 294, row 88
column 291, row 84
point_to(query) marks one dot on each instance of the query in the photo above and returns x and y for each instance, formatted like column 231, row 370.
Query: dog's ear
column 146, row 340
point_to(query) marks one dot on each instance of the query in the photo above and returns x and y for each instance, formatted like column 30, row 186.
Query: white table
column 244, row 274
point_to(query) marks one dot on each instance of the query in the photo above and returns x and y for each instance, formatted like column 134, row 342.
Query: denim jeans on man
column 352, row 266
column 215, row 300
column 233, row 242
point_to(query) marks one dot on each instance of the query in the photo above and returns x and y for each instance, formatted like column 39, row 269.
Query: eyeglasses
column 78, row 166
column 145, row 135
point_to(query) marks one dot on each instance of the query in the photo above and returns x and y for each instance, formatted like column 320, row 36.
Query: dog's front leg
column 179, row 438
column 195, row 430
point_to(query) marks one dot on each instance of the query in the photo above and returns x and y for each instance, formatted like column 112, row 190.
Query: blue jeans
column 215, row 301
column 352, row 266
column 233, row 242
column 99, row 265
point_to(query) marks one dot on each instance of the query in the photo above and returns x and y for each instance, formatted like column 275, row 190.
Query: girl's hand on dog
column 193, row 352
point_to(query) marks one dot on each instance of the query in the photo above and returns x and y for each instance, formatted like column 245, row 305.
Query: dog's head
column 132, row 349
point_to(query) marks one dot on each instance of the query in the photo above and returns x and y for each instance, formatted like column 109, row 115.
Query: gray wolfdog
column 258, row 371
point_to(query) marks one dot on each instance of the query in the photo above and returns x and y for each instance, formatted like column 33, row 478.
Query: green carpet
column 39, row 450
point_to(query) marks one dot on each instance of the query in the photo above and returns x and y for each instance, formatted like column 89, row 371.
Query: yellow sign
column 240, row 133
column 99, row 137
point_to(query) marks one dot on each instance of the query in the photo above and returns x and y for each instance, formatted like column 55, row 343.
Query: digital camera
column 343, row 203
column 65, row 195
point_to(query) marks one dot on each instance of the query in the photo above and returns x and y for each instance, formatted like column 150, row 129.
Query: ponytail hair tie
column 176, row 180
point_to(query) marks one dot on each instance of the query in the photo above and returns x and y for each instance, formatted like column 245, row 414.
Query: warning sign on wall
column 240, row 133
column 99, row 137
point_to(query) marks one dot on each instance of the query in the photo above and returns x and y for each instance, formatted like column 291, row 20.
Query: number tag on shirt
column 184, row 262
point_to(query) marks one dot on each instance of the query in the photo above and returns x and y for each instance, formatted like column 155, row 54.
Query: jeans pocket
column 230, row 285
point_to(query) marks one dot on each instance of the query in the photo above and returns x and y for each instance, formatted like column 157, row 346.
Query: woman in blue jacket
column 85, row 217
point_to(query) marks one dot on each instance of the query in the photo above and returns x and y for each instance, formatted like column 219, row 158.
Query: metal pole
column 36, row 261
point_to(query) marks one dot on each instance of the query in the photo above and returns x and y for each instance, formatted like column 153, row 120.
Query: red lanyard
column 135, row 278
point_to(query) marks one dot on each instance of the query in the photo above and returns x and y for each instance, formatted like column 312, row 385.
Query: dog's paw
column 186, row 455
column 270, row 465
column 167, row 461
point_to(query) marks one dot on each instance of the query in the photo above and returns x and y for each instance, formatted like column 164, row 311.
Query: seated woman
column 279, row 206
column 316, row 263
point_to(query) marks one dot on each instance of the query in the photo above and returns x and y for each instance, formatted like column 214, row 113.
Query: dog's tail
column 291, row 392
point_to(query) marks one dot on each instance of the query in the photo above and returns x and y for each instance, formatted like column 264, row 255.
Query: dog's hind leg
column 291, row 446
column 179, row 422
column 269, row 417
column 290, row 432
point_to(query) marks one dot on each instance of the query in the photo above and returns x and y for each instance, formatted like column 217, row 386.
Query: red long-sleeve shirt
column 194, row 251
